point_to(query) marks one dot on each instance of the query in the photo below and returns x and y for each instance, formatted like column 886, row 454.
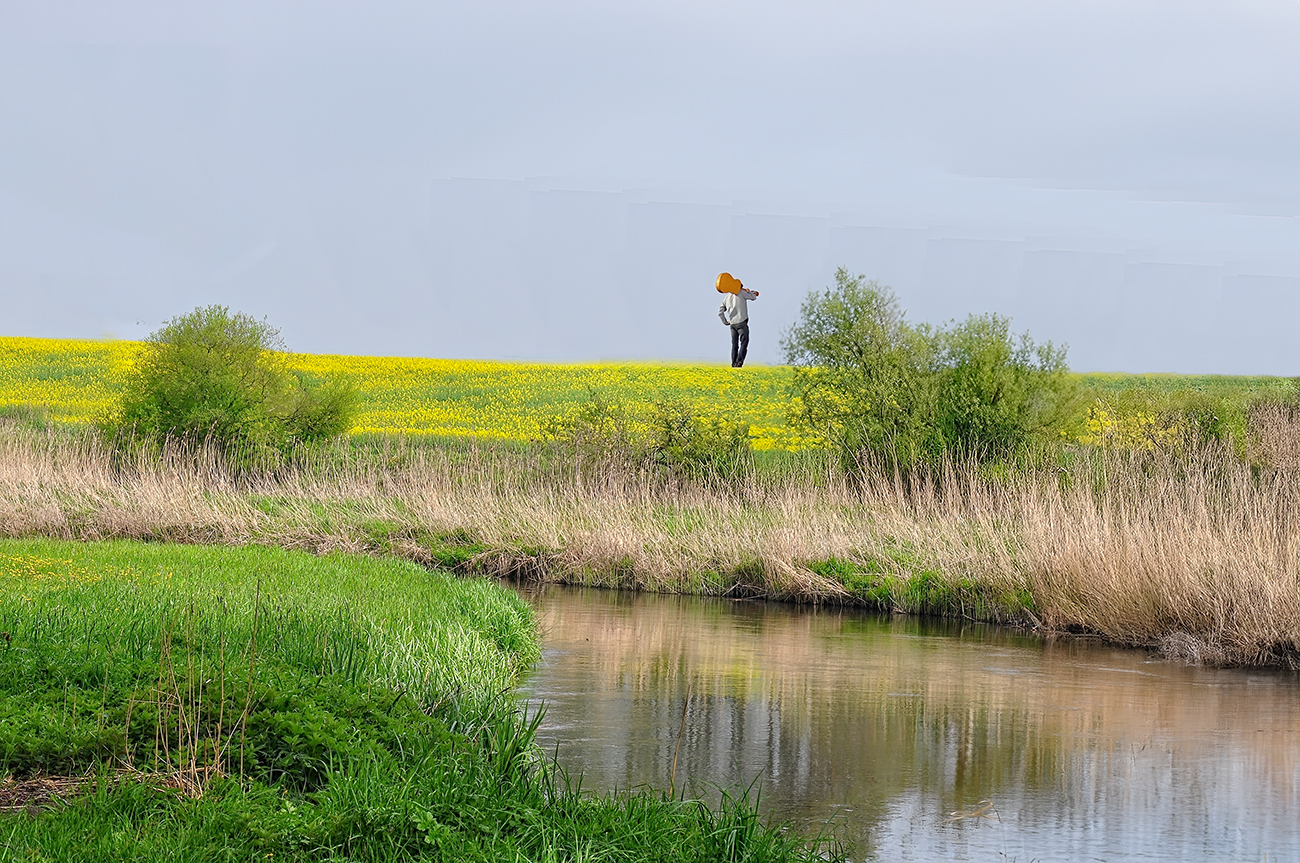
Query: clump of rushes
column 254, row 704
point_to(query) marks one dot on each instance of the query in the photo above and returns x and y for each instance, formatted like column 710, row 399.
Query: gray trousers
column 739, row 343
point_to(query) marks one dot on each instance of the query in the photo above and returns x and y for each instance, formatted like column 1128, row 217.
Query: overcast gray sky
column 563, row 181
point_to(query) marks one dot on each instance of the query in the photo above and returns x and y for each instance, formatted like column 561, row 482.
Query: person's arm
column 748, row 294
column 722, row 313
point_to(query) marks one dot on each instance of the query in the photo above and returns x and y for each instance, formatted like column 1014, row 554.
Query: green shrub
column 1155, row 418
column 901, row 395
column 668, row 439
column 995, row 390
column 685, row 443
column 861, row 376
column 219, row 377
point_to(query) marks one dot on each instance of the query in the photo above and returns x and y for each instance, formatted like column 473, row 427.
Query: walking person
column 734, row 312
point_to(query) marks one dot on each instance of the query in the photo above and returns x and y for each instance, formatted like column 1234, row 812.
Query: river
column 922, row 740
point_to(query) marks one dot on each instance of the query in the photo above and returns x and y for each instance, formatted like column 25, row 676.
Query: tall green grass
column 256, row 703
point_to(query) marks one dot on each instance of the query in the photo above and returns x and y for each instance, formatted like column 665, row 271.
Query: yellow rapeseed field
column 76, row 381
column 73, row 380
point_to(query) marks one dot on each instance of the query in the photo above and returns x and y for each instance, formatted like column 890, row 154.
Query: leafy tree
column 872, row 383
column 222, row 377
column 861, row 374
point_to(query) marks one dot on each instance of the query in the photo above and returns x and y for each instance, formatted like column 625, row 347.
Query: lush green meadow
column 198, row 703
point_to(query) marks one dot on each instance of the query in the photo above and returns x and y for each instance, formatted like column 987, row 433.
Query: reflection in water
column 886, row 725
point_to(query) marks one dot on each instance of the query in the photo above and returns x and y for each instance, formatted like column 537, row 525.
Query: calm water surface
column 886, row 726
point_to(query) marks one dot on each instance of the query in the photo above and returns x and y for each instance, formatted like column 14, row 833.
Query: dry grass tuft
column 36, row 793
column 40, row 792
column 1196, row 556
column 1274, row 439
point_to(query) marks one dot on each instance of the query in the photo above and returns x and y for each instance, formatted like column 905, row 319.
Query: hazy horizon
column 563, row 182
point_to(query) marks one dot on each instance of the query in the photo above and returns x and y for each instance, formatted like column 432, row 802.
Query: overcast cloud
column 564, row 180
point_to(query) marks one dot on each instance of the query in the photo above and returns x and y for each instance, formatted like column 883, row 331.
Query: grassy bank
column 1194, row 554
column 197, row 703
column 1161, row 517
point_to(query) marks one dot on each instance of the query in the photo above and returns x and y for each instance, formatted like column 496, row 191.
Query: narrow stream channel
column 884, row 727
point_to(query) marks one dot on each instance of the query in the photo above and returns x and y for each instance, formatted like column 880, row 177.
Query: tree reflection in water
column 887, row 725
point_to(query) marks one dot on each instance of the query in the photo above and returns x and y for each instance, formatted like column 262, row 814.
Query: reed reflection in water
column 886, row 726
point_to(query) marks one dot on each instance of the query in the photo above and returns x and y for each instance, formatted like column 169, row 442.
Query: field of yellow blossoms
column 76, row 381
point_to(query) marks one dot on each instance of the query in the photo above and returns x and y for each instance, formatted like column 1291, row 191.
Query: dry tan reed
column 1274, row 438
column 35, row 793
column 1197, row 556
